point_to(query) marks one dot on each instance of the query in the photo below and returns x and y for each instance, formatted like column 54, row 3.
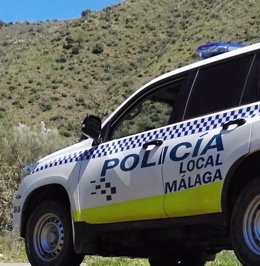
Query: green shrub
column 9, row 178
column 85, row 13
column 98, row 48
column 2, row 23
column 19, row 146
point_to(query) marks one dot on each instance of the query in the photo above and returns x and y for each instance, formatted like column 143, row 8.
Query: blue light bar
column 212, row 49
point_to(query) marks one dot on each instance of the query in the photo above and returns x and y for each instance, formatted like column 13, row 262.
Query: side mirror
column 91, row 127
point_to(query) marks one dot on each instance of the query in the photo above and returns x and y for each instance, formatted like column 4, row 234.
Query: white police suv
column 172, row 175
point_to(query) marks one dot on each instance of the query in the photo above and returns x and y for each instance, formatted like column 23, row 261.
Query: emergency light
column 211, row 49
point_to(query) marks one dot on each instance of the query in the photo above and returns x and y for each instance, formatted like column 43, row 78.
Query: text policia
column 179, row 154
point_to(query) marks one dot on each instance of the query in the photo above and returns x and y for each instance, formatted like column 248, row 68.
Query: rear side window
column 218, row 87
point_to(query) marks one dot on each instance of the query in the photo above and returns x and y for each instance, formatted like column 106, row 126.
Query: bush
column 45, row 106
column 2, row 23
column 98, row 48
column 86, row 12
column 75, row 50
column 19, row 146
column 9, row 178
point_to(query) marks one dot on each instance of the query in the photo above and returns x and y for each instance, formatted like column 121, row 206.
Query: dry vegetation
column 58, row 71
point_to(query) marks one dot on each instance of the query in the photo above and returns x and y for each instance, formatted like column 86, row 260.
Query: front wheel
column 48, row 236
column 245, row 225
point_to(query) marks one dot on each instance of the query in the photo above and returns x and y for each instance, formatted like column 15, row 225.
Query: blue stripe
column 173, row 131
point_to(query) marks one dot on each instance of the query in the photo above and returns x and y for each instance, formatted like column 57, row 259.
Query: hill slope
column 58, row 71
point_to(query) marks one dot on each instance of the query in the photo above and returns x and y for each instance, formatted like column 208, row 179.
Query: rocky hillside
column 58, row 71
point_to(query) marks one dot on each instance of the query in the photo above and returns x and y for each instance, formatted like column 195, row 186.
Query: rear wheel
column 245, row 225
column 48, row 237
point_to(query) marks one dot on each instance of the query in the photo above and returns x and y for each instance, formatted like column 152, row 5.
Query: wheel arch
column 239, row 175
column 38, row 195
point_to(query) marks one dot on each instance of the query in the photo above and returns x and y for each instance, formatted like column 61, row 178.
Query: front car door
column 121, row 179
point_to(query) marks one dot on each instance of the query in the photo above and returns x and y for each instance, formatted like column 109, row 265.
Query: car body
column 162, row 175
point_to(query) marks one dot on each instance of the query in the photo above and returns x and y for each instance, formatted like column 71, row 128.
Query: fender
column 69, row 183
column 241, row 172
column 226, row 185
column 41, row 186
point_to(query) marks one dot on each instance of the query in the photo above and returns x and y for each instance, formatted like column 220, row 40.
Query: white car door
column 121, row 179
column 201, row 150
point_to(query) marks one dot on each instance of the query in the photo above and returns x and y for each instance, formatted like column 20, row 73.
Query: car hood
column 71, row 150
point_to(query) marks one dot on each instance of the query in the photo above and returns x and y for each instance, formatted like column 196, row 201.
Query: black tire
column 48, row 236
column 182, row 260
column 245, row 225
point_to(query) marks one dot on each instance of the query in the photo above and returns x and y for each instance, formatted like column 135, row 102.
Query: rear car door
column 215, row 132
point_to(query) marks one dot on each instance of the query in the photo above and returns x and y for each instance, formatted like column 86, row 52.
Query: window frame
column 184, row 118
column 178, row 108
column 256, row 60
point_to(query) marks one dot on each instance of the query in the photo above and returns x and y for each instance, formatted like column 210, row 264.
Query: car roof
column 201, row 63
column 204, row 62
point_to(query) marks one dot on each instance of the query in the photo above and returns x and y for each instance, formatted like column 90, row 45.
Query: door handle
column 239, row 122
column 156, row 142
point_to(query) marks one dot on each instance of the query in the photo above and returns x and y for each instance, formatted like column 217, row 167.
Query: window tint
column 153, row 111
column 218, row 87
column 251, row 92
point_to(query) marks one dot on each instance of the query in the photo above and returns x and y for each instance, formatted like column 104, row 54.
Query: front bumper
column 18, row 209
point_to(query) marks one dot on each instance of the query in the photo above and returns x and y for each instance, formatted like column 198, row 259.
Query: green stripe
column 200, row 200
column 123, row 211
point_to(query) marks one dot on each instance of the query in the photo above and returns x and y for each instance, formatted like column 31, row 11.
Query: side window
column 218, row 87
column 251, row 91
column 153, row 111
